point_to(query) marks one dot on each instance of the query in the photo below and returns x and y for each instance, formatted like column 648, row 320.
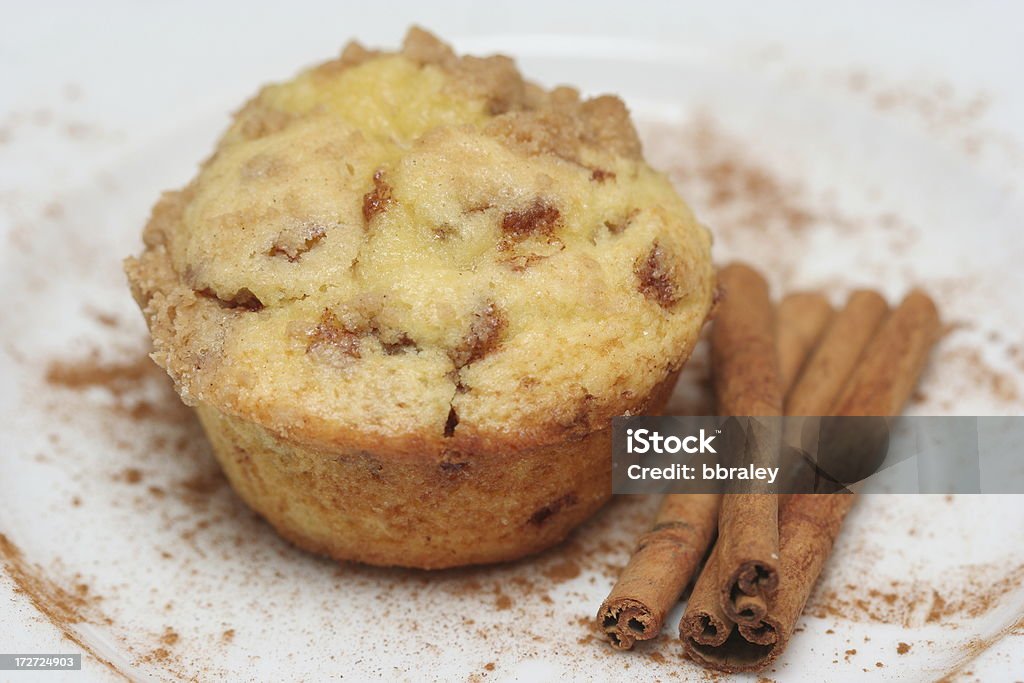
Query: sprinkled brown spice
column 743, row 200
column 64, row 608
column 484, row 336
column 937, row 608
column 378, row 199
column 902, row 648
column 657, row 277
column 91, row 372
column 540, row 218
column 131, row 475
column 103, row 318
column 561, row 572
column 599, row 175
column 201, row 485
column 977, row 371
column 964, row 595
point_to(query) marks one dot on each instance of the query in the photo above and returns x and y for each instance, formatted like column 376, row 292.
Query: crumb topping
column 331, row 338
column 376, row 200
column 295, row 241
column 540, row 218
column 657, row 277
column 484, row 336
column 398, row 238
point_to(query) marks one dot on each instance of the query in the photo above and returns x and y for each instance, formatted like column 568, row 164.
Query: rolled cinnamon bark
column 749, row 562
column 808, row 527
column 833, row 361
column 711, row 638
column 705, row 626
column 666, row 557
column 800, row 320
column 893, row 361
column 660, row 568
column 704, row 623
column 881, row 384
column 745, row 360
column 743, row 353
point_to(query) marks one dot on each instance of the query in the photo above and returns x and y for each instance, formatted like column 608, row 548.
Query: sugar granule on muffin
column 408, row 292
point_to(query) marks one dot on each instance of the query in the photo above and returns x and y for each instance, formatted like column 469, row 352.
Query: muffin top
column 428, row 249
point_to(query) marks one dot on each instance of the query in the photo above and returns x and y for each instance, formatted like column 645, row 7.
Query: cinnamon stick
column 745, row 360
column 800, row 321
column 704, row 625
column 660, row 568
column 881, row 384
column 743, row 352
column 893, row 361
column 833, row 361
column 809, row 525
column 667, row 556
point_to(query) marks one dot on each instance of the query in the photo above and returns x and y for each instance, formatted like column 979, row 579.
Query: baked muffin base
column 423, row 512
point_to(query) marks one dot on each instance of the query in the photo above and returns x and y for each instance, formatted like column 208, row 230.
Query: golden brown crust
column 224, row 324
column 364, row 505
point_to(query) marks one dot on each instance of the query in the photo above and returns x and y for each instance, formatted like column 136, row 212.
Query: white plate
column 131, row 542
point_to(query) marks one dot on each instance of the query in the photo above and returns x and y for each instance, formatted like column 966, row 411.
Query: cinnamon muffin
column 408, row 292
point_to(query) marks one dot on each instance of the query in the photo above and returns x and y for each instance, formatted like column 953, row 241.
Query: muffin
column 408, row 292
